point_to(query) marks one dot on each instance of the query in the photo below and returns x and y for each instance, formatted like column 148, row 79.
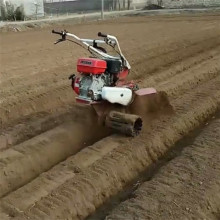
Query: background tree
column 160, row 2
column 129, row 4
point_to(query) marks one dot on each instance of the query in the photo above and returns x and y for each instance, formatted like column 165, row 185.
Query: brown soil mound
column 106, row 176
column 184, row 188
column 34, row 156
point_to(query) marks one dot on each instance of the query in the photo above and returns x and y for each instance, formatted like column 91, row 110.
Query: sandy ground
column 41, row 126
column 187, row 187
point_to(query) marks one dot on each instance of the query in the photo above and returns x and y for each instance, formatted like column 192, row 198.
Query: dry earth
column 52, row 164
column 187, row 187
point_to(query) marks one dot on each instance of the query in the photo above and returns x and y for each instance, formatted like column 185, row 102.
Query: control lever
column 59, row 41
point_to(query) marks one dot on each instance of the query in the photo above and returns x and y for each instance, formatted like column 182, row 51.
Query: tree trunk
column 160, row 2
column 129, row 4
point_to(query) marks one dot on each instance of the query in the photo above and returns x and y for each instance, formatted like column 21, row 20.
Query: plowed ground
column 187, row 186
column 54, row 164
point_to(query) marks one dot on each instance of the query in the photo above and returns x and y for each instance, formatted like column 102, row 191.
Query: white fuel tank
column 118, row 95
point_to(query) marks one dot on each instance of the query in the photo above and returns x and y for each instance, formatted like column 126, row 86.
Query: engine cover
column 118, row 95
column 91, row 66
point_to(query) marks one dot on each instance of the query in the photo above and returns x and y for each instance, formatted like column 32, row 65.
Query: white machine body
column 117, row 95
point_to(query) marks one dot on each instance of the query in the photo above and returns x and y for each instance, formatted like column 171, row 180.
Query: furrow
column 25, row 103
column 130, row 161
column 174, row 86
column 27, row 195
column 183, row 66
column 187, row 187
column 30, row 158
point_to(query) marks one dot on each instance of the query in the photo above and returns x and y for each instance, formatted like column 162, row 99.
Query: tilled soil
column 41, row 126
column 187, row 187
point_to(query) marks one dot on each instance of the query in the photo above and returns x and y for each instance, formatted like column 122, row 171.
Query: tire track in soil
column 186, row 187
column 79, row 196
column 8, row 166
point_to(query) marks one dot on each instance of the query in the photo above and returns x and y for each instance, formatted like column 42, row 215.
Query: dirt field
column 54, row 166
column 185, row 187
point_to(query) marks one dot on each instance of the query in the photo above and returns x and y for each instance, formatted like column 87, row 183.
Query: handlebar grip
column 102, row 35
column 62, row 34
column 56, row 32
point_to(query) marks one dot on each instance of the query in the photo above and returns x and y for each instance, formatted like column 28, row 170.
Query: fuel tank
column 91, row 66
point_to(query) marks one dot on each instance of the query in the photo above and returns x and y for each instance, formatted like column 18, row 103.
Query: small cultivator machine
column 101, row 82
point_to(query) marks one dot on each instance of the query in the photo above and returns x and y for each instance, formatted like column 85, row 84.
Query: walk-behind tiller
column 101, row 83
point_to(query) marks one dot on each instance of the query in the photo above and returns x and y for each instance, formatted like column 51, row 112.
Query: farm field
column 56, row 164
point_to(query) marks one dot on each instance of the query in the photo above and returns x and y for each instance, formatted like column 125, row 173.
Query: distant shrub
column 19, row 13
column 10, row 13
column 3, row 12
column 152, row 5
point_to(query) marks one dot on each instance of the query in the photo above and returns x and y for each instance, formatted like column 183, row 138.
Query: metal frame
column 109, row 40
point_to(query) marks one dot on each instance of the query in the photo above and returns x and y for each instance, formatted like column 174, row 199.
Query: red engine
column 91, row 65
column 90, row 79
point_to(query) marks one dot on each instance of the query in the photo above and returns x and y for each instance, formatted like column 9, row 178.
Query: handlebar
column 56, row 32
column 89, row 44
column 61, row 33
column 102, row 35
